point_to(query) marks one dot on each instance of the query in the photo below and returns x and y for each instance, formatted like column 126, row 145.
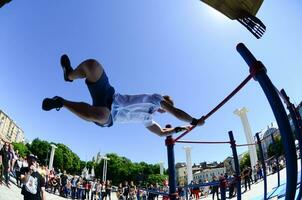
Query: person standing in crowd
column 181, row 193
column 74, row 182
column 80, row 188
column 259, row 171
column 206, row 189
column 120, row 192
column 18, row 167
column 126, row 190
column 151, row 195
column 108, row 189
column 255, row 174
column 5, row 155
column 55, row 183
column 132, row 192
column 99, row 190
column 215, row 188
column 63, row 184
column 246, row 177
column 103, row 190
column 232, row 185
column 33, row 183
column 51, row 176
column 222, row 185
column 13, row 158
column 68, row 188
column 250, row 175
column 166, row 189
column 85, row 189
column 93, row 188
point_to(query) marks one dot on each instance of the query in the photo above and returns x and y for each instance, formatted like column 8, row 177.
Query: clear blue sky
column 178, row 47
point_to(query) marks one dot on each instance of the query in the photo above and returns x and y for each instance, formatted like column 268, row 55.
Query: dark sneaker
column 66, row 66
column 51, row 103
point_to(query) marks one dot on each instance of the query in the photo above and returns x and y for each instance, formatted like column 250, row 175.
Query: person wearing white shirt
column 109, row 107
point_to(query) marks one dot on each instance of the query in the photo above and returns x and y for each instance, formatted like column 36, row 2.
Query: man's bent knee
column 93, row 70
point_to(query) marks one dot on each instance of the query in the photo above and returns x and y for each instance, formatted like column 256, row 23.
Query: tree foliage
column 40, row 148
column 21, row 148
column 119, row 169
column 276, row 149
column 245, row 161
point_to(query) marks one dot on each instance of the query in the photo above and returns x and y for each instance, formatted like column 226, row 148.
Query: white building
column 208, row 174
column 181, row 173
column 9, row 130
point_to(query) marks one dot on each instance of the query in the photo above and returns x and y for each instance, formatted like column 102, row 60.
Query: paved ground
column 14, row 193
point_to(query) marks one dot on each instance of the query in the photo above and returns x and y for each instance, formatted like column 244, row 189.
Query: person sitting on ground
column 109, row 107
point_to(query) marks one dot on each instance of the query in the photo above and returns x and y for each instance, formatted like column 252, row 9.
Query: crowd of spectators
column 78, row 187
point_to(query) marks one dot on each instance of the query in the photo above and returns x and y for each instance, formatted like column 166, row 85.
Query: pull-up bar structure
column 297, row 122
column 281, row 118
column 258, row 72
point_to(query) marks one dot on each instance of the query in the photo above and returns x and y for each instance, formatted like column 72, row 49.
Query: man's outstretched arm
column 180, row 114
column 155, row 128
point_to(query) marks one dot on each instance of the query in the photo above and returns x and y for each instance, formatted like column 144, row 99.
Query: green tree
column 90, row 164
column 40, row 148
column 245, row 161
column 21, row 148
column 156, row 178
column 58, row 161
column 277, row 149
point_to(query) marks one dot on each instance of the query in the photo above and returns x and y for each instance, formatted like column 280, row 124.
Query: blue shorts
column 102, row 94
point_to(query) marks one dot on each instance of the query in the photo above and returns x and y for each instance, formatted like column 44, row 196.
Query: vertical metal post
column 263, row 165
column 296, row 119
column 236, row 163
column 281, row 118
column 171, row 167
column 277, row 159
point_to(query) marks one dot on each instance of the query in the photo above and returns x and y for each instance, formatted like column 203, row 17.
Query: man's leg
column 88, row 112
column 92, row 71
column 89, row 69
column 6, row 175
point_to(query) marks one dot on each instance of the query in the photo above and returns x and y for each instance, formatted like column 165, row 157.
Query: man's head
column 32, row 160
column 6, row 146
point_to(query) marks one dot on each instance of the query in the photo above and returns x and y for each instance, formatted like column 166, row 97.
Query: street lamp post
column 52, row 154
column 98, row 160
column 161, row 168
column 105, row 168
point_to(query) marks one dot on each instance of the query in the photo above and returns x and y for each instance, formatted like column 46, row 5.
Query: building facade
column 267, row 139
column 202, row 175
column 181, row 173
column 229, row 165
column 9, row 130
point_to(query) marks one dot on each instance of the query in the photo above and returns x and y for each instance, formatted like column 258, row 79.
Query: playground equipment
column 258, row 72
column 244, row 11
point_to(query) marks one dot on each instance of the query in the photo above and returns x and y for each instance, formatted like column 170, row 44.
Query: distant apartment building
column 229, row 165
column 181, row 173
column 9, row 130
column 201, row 175
column 267, row 139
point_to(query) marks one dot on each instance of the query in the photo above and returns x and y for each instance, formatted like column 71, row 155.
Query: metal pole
column 295, row 116
column 171, row 167
column 263, row 165
column 277, row 159
column 281, row 118
column 236, row 163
